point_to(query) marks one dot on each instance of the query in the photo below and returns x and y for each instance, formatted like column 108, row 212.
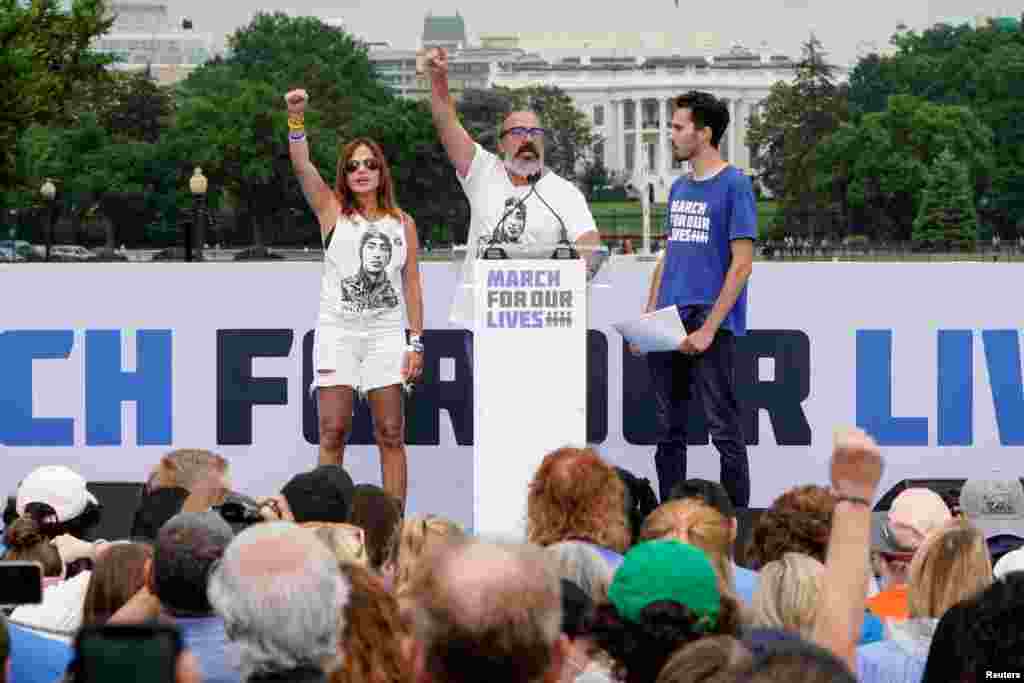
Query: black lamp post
column 49, row 192
column 197, row 184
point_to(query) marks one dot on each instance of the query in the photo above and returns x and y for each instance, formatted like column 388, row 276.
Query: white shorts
column 364, row 359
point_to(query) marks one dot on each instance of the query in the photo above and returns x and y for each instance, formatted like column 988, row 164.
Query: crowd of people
column 330, row 581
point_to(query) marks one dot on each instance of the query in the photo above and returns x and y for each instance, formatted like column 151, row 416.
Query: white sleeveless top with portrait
column 363, row 272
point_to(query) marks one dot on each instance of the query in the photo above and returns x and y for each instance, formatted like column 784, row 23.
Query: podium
column 529, row 380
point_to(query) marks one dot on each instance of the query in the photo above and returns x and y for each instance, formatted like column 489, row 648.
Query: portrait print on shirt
column 512, row 228
column 370, row 289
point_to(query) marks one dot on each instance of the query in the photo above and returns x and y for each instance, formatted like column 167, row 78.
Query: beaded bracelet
column 296, row 121
column 296, row 137
column 855, row 499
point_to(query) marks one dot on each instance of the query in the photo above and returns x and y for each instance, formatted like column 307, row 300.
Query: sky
column 843, row 27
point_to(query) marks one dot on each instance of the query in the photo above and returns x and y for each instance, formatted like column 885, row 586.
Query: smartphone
column 127, row 652
column 21, row 583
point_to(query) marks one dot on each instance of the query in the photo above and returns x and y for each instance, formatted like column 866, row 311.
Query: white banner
column 104, row 367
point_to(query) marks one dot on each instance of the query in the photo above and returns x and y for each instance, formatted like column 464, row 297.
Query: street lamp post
column 49, row 192
column 197, row 184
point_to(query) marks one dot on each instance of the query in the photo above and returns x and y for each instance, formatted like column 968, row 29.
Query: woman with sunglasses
column 371, row 277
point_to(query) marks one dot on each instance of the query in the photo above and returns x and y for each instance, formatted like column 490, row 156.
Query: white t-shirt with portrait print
column 491, row 196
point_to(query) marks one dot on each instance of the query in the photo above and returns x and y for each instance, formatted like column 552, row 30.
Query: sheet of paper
column 661, row 330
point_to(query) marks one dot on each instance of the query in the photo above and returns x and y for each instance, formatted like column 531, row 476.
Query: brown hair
column 799, row 521
column 708, row 660
column 415, row 538
column 372, row 634
column 26, row 543
column 385, row 189
column 379, row 514
column 575, row 495
column 952, row 565
column 704, row 526
column 119, row 573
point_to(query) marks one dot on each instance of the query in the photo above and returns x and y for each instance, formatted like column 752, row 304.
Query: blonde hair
column 788, row 594
column 186, row 466
column 578, row 562
column 413, row 539
column 952, row 564
column 347, row 542
column 703, row 526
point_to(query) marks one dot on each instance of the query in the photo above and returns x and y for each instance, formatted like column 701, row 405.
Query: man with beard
column 710, row 230
column 543, row 200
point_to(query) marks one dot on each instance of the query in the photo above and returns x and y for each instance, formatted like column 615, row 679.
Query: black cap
column 322, row 495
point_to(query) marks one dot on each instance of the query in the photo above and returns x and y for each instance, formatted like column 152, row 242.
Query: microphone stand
column 494, row 252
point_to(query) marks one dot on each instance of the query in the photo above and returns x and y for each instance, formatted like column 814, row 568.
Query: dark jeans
column 708, row 377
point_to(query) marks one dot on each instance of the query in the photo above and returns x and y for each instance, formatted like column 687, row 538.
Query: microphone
column 565, row 250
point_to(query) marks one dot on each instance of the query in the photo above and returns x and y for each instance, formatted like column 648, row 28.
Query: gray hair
column 187, row 547
column 283, row 616
column 580, row 563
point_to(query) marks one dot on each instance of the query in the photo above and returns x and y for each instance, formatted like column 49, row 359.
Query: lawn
column 626, row 218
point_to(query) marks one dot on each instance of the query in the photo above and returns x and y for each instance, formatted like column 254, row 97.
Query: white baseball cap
column 59, row 487
column 994, row 505
column 1012, row 561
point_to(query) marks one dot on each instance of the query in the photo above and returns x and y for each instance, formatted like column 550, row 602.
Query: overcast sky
column 841, row 25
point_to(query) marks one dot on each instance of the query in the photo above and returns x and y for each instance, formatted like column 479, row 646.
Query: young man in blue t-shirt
column 710, row 229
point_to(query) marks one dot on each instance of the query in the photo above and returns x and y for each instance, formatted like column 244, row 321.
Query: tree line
column 924, row 144
column 126, row 147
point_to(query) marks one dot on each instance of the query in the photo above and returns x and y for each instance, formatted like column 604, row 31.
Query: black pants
column 708, row 378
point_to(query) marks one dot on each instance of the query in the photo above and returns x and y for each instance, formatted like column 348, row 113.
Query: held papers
column 661, row 330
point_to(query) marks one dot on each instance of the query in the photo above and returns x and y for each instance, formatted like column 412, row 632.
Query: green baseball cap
column 666, row 570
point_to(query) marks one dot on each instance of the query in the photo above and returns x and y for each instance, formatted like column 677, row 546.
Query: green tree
column 795, row 117
column 137, row 108
column 878, row 167
column 981, row 68
column 231, row 120
column 44, row 52
column 947, row 215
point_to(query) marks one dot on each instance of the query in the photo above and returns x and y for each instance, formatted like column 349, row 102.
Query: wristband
column 296, row 136
column 414, row 349
column 296, row 121
column 857, row 500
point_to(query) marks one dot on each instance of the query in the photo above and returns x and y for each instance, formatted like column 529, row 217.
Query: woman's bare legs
column 388, row 410
column 335, row 410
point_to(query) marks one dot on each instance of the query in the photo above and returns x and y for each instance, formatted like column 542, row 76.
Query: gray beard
column 523, row 167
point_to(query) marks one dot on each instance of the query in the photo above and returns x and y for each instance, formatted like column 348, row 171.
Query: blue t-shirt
column 704, row 217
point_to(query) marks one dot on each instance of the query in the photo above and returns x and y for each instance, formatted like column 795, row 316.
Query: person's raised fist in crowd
column 296, row 101
column 857, row 464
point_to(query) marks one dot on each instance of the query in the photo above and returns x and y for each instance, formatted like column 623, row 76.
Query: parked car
column 22, row 248
column 70, row 252
column 7, row 255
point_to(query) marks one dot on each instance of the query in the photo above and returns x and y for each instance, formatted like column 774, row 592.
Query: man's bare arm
column 457, row 143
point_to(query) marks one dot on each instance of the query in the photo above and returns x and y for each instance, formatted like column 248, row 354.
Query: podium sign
column 529, row 377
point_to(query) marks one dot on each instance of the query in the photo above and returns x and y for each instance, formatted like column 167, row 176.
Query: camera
column 239, row 511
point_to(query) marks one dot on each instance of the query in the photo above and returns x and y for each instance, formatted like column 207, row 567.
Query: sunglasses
column 370, row 164
column 523, row 131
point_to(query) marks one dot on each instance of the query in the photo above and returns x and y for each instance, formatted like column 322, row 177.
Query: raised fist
column 856, row 464
column 297, row 100
column 435, row 62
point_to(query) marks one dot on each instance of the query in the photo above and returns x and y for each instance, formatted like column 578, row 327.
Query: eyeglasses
column 523, row 131
column 370, row 164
